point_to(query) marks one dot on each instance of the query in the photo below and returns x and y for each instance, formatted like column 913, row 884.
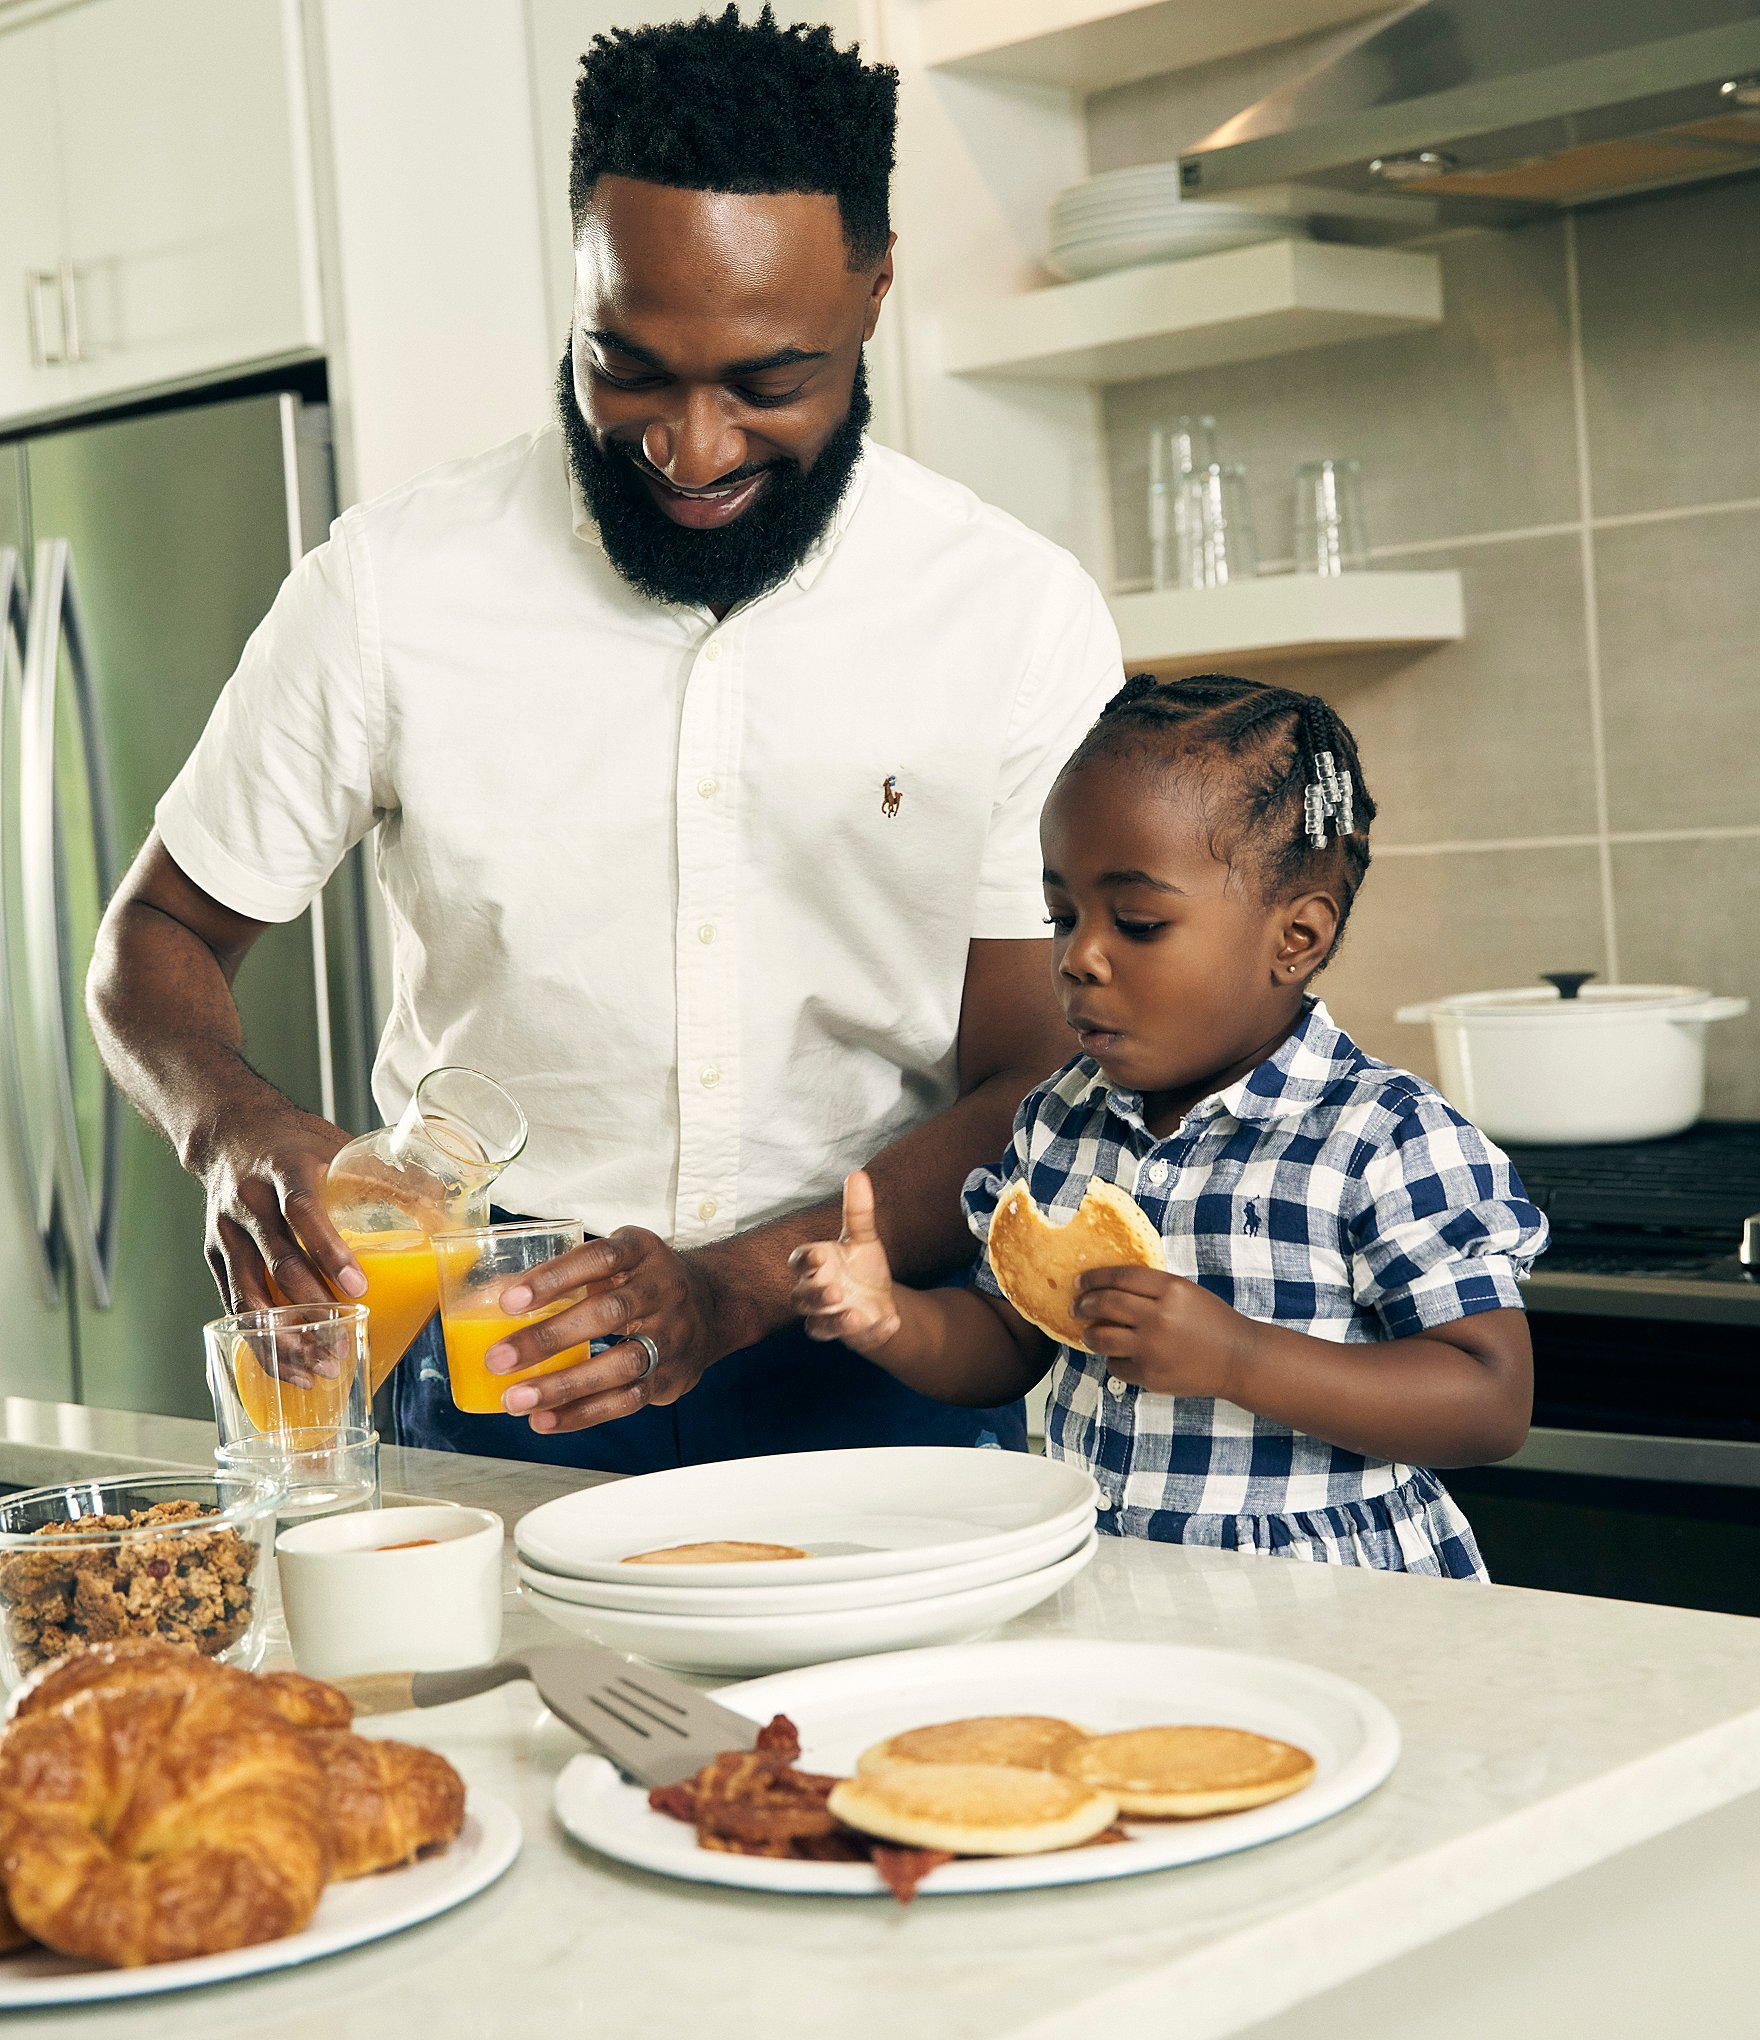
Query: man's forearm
column 163, row 1016
column 917, row 1181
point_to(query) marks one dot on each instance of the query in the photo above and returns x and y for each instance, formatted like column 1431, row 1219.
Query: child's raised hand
column 843, row 1287
column 1162, row 1333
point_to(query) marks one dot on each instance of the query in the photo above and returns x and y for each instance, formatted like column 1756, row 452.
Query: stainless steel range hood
column 1513, row 103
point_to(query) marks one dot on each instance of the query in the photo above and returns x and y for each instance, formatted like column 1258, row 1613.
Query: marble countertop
column 1543, row 1734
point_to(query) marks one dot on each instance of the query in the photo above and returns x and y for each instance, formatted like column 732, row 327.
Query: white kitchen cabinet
column 35, row 370
column 168, row 204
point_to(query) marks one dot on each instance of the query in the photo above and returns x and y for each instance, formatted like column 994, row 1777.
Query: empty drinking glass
column 1329, row 532
column 291, row 1404
column 1217, row 544
column 1176, row 450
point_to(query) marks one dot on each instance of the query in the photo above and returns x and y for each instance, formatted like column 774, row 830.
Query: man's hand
column 843, row 1287
column 266, row 1219
column 629, row 1282
column 1162, row 1333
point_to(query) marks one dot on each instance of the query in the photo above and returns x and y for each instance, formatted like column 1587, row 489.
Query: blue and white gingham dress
column 1325, row 1191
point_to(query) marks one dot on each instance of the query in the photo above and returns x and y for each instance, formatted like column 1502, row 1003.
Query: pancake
column 719, row 1551
column 1036, row 1262
column 1184, row 1773
column 1033, row 1742
column 973, row 1809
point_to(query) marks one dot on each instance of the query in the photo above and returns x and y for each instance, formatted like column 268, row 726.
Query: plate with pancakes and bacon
column 167, row 1820
column 998, row 1767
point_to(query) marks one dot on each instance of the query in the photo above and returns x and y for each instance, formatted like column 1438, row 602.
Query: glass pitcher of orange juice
column 390, row 1190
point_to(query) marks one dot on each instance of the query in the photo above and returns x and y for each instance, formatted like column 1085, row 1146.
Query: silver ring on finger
column 648, row 1346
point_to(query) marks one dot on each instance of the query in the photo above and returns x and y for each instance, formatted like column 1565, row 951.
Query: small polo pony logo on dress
column 890, row 797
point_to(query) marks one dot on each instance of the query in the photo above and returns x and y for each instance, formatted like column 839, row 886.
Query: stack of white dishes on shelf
column 1126, row 217
column 900, row 1546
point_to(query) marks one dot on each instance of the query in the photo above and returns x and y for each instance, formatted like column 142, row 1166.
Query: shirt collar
column 1284, row 1086
column 586, row 525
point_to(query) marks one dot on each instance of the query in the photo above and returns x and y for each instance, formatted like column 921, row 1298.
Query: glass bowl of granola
column 182, row 1558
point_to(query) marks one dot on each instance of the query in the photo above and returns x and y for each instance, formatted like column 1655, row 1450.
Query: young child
column 1342, row 1311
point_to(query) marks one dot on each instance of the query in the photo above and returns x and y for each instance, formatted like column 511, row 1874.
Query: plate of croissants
column 167, row 1821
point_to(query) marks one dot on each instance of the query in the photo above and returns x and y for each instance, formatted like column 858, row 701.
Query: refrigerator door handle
column 36, row 1172
column 88, row 1209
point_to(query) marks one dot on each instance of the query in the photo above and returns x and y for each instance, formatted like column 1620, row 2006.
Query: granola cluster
column 187, row 1587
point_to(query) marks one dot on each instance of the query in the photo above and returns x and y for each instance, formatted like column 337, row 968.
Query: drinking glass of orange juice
column 474, row 1268
column 291, row 1403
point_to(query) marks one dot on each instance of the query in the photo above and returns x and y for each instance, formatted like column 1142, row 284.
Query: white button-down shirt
column 699, row 894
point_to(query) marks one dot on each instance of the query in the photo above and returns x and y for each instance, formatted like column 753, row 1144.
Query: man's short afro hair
column 718, row 104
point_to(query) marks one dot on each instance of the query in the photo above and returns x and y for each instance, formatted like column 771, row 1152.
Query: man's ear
column 878, row 288
column 1306, row 930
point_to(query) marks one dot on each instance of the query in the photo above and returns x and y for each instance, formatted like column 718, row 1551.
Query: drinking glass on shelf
column 475, row 1266
column 1329, row 532
column 1217, row 544
column 291, row 1404
column 1176, row 450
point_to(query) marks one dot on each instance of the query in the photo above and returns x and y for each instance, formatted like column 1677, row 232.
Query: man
column 705, row 743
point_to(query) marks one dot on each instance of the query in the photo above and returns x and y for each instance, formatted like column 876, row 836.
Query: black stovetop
column 1655, row 1208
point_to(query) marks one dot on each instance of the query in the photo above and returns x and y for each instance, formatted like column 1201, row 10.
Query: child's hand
column 843, row 1287
column 1162, row 1333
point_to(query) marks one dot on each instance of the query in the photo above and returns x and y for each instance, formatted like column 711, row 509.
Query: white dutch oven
column 1570, row 1061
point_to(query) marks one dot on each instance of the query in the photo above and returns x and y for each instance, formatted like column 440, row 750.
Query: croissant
column 151, row 1821
column 12, row 1936
column 386, row 1801
column 139, row 1663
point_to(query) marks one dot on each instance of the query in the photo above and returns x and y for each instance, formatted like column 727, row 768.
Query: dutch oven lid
column 1569, row 997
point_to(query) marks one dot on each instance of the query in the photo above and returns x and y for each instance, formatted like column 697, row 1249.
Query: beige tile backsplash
column 1577, row 784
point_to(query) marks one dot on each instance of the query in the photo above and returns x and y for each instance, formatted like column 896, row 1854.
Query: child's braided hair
column 1289, row 801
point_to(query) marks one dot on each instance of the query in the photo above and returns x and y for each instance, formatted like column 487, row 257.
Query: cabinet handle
column 36, row 281
column 69, row 280
column 72, row 276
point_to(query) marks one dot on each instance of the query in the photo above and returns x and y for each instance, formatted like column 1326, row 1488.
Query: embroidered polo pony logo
column 890, row 797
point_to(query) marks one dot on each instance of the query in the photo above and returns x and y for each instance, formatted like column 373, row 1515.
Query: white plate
column 1099, row 257
column 765, row 1643
column 841, row 1709
column 363, row 1909
column 909, row 1508
column 658, row 1598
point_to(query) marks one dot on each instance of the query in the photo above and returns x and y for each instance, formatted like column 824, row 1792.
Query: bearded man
column 704, row 742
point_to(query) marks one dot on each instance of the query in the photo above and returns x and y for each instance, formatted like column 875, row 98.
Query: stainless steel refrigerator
column 136, row 557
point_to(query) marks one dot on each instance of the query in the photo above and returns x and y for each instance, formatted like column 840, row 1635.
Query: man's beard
column 725, row 566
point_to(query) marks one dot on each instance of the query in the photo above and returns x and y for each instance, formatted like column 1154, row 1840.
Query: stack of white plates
column 1130, row 216
column 907, row 1545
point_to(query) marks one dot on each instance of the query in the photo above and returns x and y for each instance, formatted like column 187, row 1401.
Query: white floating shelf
column 1242, row 305
column 1086, row 45
column 1288, row 616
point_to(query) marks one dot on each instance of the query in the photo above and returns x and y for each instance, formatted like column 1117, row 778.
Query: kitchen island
column 1566, row 1846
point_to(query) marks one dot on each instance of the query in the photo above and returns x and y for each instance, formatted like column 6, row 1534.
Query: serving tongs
column 655, row 1729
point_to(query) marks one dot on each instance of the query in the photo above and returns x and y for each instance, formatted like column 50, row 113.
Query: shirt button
column 712, row 650
column 1113, row 1385
column 710, row 1078
column 708, row 788
column 706, row 933
column 707, row 1209
column 1158, row 1172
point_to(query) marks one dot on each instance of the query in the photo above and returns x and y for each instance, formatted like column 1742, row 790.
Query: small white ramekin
column 353, row 1606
